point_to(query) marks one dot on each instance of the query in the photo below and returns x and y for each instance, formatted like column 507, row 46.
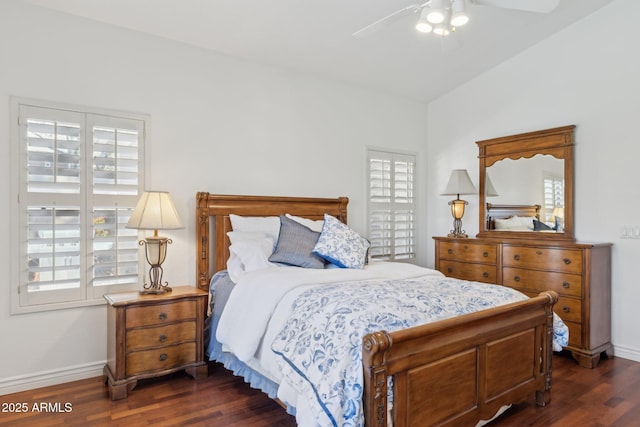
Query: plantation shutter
column 391, row 205
column 553, row 195
column 78, row 187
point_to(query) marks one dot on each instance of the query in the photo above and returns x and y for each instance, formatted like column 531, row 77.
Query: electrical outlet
column 630, row 232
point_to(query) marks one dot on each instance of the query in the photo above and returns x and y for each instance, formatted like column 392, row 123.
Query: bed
column 457, row 371
column 508, row 216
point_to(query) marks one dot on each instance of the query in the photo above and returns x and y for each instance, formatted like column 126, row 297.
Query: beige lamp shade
column 459, row 183
column 155, row 211
column 491, row 190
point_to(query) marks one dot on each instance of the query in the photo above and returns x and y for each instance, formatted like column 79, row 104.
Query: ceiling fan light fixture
column 459, row 16
column 441, row 30
column 445, row 28
column 423, row 25
column 435, row 14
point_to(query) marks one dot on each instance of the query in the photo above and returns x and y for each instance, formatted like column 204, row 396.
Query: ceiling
column 316, row 36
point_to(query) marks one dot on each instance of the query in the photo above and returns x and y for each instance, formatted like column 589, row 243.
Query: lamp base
column 156, row 291
column 461, row 235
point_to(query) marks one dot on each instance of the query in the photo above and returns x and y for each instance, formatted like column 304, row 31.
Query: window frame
column 394, row 205
column 87, row 295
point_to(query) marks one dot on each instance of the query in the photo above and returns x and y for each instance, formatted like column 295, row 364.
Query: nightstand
column 154, row 335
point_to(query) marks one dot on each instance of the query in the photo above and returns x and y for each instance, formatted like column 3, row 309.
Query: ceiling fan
column 443, row 16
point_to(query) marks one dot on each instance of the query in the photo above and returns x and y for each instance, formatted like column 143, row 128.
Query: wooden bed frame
column 507, row 211
column 452, row 372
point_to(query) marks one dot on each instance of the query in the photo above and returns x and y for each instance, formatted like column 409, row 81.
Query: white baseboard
column 626, row 353
column 52, row 377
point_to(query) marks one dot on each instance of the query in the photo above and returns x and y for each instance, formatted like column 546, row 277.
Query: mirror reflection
column 538, row 180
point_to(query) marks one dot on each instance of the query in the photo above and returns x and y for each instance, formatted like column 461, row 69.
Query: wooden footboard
column 461, row 370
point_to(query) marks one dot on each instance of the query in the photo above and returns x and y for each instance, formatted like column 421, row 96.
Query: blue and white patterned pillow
column 340, row 245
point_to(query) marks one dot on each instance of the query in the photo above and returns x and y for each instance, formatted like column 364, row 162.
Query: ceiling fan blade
column 374, row 26
column 539, row 6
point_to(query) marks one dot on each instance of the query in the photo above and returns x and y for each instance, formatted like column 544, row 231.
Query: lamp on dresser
column 459, row 183
column 155, row 211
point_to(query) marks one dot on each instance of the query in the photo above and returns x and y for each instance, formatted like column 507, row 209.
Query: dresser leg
column 585, row 360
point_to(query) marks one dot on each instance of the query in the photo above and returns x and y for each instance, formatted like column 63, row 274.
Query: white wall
column 586, row 75
column 218, row 125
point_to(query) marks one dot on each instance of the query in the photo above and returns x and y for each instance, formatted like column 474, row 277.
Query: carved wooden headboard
column 507, row 211
column 212, row 217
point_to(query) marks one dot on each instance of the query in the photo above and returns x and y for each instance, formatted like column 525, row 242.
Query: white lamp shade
column 459, row 183
column 155, row 211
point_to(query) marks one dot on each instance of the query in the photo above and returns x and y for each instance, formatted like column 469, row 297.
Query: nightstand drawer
column 162, row 358
column 538, row 281
column 468, row 252
column 138, row 339
column 467, row 271
column 158, row 314
column 569, row 261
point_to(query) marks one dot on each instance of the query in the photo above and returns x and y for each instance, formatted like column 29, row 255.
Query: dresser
column 153, row 335
column 579, row 272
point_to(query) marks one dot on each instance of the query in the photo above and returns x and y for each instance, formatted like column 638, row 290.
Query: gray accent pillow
column 294, row 246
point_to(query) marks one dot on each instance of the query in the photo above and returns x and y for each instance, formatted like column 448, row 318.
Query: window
column 553, row 188
column 79, row 174
column 391, row 205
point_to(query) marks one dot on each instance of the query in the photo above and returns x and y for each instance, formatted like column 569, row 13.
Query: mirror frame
column 557, row 142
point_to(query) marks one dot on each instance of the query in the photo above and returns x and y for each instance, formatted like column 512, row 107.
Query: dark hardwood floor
column 606, row 396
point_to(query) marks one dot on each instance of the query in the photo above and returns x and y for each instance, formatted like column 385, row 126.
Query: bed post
column 374, row 395
column 544, row 396
column 202, row 243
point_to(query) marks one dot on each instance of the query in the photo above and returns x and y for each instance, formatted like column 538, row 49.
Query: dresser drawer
column 468, row 252
column 161, row 358
column 569, row 309
column 138, row 339
column 556, row 259
column 575, row 334
column 466, row 271
column 538, row 281
column 159, row 314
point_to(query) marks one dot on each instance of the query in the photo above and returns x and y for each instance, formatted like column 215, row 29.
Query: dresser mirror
column 526, row 185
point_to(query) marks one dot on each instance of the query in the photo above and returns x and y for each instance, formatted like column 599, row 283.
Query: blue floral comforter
column 320, row 345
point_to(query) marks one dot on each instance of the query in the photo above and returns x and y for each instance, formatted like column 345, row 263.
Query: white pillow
column 249, row 251
column 514, row 223
column 269, row 225
column 313, row 225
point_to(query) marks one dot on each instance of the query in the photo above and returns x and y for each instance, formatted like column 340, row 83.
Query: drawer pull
column 465, row 247
column 516, row 257
column 485, row 254
column 485, row 274
column 163, row 357
column 565, row 309
column 566, row 285
column 449, row 270
column 567, row 261
column 516, row 278
column 163, row 316
column 449, row 251
column 538, row 252
column 162, row 338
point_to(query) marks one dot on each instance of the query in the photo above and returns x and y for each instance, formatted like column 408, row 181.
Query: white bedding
column 260, row 306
